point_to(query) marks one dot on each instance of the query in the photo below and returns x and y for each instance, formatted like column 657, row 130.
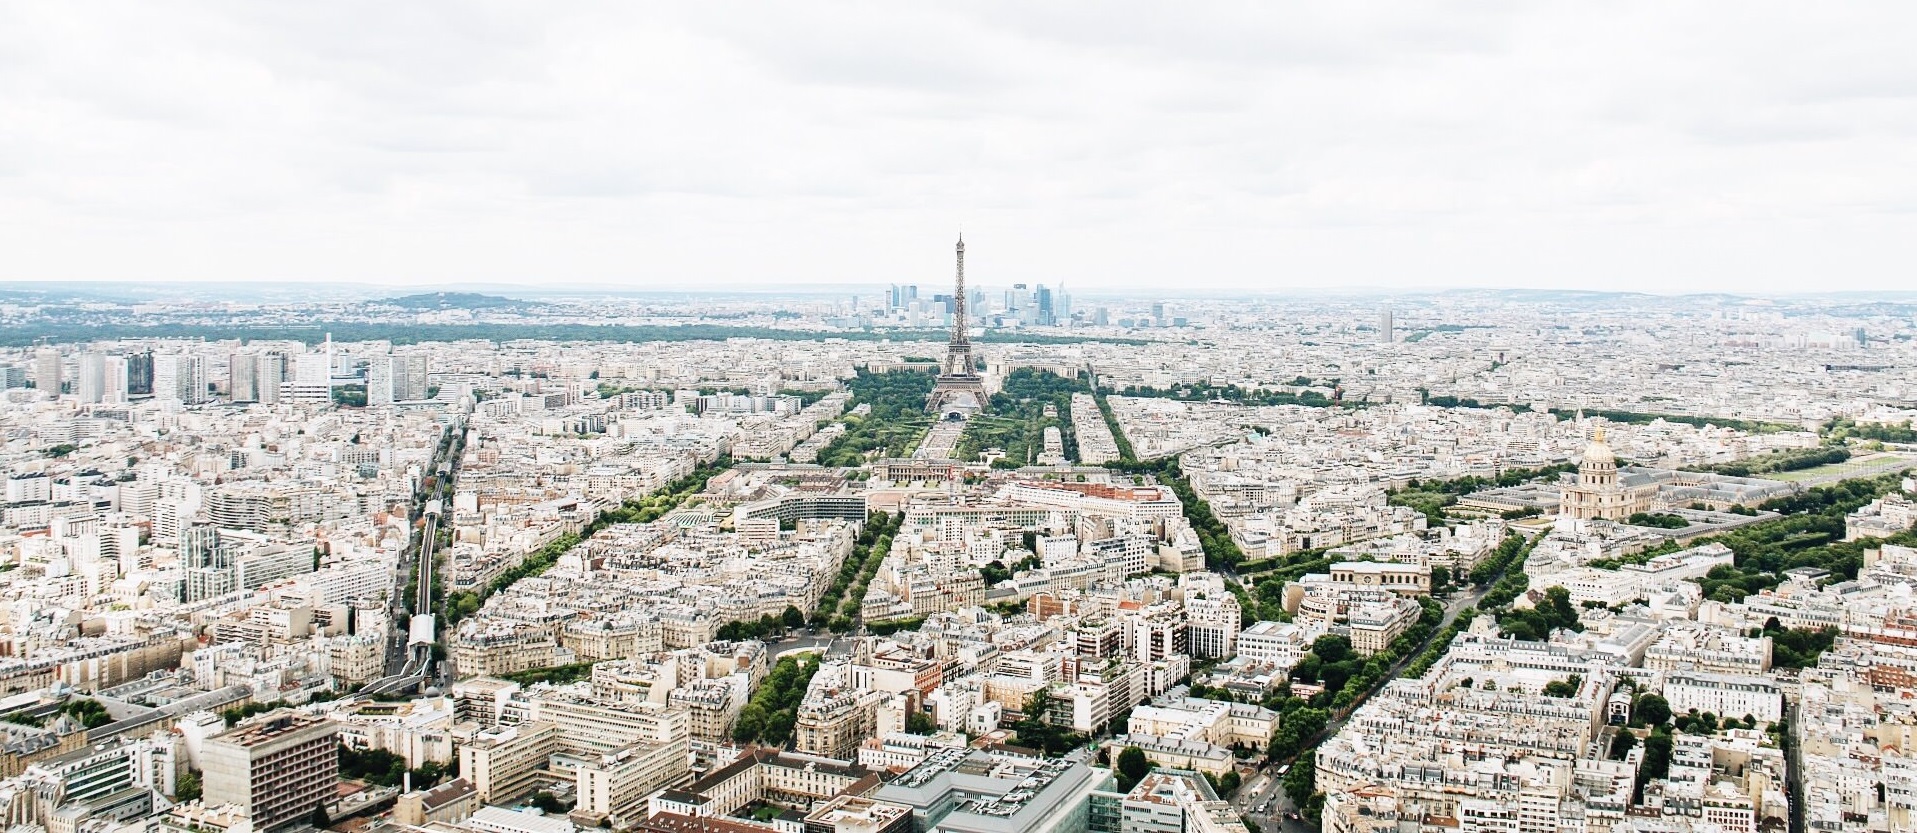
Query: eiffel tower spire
column 958, row 298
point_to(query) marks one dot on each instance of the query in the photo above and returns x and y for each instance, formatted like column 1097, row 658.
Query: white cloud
column 1658, row 146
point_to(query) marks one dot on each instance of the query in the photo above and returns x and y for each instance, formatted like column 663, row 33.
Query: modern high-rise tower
column 91, row 384
column 179, row 378
column 45, row 371
column 1386, row 327
column 959, row 391
column 139, row 374
column 114, row 380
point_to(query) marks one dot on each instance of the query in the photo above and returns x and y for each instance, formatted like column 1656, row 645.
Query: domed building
column 1602, row 489
column 1598, row 492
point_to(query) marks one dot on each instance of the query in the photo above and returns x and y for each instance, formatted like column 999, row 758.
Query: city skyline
column 495, row 418
column 633, row 559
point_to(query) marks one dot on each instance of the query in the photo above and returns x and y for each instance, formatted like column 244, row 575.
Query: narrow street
column 1262, row 798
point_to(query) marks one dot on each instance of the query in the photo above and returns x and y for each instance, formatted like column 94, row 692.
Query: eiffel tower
column 960, row 391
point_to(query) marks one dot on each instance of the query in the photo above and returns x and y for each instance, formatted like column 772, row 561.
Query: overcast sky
column 1660, row 146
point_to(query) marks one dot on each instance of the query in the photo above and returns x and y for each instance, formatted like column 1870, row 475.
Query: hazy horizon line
column 375, row 291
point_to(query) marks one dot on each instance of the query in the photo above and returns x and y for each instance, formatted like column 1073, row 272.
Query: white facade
column 1724, row 695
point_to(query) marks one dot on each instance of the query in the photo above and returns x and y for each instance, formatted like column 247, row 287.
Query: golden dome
column 1598, row 451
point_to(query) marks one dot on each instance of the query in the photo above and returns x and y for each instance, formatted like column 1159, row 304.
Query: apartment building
column 616, row 785
column 501, row 763
column 836, row 715
column 1279, row 643
column 278, row 767
column 1213, row 626
column 591, row 727
column 1724, row 695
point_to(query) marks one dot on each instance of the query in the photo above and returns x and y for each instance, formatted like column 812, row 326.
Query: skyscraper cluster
column 1036, row 305
column 1030, row 305
column 266, row 373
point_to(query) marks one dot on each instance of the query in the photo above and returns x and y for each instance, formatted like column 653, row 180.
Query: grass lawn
column 1867, row 464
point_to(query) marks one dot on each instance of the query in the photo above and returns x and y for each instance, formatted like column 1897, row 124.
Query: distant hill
column 455, row 300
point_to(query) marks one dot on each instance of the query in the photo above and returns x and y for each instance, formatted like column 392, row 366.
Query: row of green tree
column 1625, row 417
column 1842, row 428
column 1508, row 582
column 840, row 606
column 1512, row 550
column 1657, row 520
column 1347, row 680
column 1376, row 669
column 1125, row 451
column 1221, row 553
column 1206, row 392
column 769, row 716
column 766, row 625
column 1440, row 643
column 1495, row 570
column 1447, row 401
column 1642, row 418
column 1301, row 786
column 1795, row 459
column 892, row 626
column 1281, row 562
column 1342, row 676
